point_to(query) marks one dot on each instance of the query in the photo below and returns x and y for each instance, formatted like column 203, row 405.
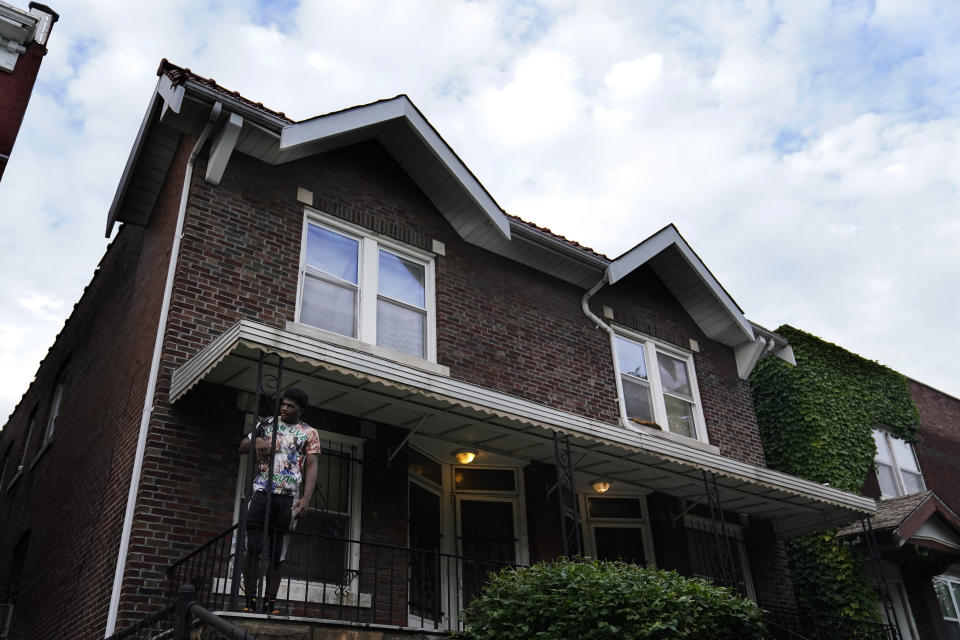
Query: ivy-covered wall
column 815, row 419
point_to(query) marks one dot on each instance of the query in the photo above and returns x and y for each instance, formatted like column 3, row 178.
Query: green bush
column 591, row 600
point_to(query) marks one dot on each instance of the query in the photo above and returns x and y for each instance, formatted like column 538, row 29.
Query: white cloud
column 539, row 103
column 626, row 80
column 809, row 151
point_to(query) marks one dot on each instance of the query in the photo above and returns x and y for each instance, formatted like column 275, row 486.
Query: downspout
column 585, row 305
column 152, row 381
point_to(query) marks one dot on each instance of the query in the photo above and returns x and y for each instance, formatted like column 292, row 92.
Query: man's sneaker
column 270, row 607
column 251, row 605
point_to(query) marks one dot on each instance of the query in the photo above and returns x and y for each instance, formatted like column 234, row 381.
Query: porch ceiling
column 363, row 385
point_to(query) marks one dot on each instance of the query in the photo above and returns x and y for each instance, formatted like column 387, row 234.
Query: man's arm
column 261, row 447
column 309, row 484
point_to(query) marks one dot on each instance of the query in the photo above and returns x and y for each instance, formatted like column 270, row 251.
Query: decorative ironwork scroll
column 567, row 496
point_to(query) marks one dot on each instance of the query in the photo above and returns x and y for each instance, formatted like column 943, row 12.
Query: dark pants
column 280, row 516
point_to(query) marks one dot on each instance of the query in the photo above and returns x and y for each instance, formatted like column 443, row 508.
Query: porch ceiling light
column 601, row 486
column 465, row 456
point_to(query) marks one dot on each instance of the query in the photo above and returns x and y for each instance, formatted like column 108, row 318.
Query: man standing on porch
column 277, row 488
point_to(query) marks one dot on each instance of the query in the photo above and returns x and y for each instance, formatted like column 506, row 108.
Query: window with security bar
column 704, row 555
column 320, row 548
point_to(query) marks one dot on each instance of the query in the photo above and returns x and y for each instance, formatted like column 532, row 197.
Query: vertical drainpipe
column 585, row 305
column 154, row 373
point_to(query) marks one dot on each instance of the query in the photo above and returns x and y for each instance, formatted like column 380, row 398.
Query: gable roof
column 183, row 102
column 690, row 281
column 919, row 518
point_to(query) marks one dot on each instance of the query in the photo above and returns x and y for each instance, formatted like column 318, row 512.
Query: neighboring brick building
column 938, row 455
column 23, row 43
column 355, row 256
column 917, row 486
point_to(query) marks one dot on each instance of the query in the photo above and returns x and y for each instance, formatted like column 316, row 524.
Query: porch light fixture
column 601, row 486
column 465, row 456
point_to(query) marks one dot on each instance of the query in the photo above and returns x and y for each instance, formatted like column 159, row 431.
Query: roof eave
column 298, row 139
column 156, row 99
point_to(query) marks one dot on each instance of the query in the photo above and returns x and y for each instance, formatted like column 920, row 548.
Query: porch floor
column 296, row 628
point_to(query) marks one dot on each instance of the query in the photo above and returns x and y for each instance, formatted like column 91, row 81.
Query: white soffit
column 363, row 385
column 400, row 127
column 691, row 283
column 936, row 530
column 148, row 161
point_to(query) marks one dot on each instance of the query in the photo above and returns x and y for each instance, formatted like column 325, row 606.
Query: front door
column 425, row 560
column 488, row 541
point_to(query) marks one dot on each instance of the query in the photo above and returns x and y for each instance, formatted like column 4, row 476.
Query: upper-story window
column 367, row 287
column 658, row 384
column 897, row 469
column 25, row 445
column 55, row 406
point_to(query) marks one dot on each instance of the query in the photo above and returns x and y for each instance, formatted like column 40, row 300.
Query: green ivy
column 815, row 420
column 587, row 599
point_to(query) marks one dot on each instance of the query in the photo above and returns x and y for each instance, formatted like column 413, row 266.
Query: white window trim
column 650, row 348
column 897, row 475
column 368, row 267
column 641, row 524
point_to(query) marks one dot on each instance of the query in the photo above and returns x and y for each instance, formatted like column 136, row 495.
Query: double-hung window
column 897, row 469
column 658, row 385
column 367, row 287
column 54, row 409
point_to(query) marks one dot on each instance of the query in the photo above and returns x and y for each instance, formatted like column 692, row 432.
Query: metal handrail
column 143, row 624
column 353, row 581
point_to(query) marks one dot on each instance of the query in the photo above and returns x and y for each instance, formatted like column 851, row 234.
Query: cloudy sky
column 808, row 150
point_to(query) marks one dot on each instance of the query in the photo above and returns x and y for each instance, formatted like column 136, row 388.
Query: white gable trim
column 314, row 131
column 660, row 242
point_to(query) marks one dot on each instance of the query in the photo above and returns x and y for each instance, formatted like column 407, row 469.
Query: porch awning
column 365, row 385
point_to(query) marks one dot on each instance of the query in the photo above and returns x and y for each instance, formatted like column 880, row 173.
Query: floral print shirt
column 294, row 443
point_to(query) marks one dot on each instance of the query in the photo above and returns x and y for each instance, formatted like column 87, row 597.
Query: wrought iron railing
column 346, row 580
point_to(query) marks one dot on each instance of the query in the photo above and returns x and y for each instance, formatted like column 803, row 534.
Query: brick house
column 23, row 44
column 604, row 401
column 917, row 526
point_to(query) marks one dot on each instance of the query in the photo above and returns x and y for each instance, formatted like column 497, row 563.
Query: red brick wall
column 938, row 449
column 770, row 571
column 73, row 498
column 15, row 91
column 500, row 325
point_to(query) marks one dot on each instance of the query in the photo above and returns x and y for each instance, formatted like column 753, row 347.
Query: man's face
column 289, row 411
